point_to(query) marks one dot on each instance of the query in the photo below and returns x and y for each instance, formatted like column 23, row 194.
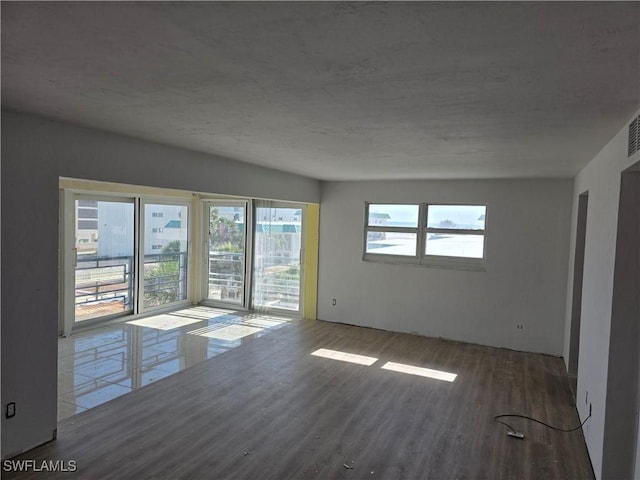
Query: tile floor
column 98, row 365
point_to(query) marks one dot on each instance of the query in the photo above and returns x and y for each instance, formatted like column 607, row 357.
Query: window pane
column 165, row 254
column 392, row 243
column 87, row 213
column 276, row 265
column 87, row 224
column 226, row 252
column 104, row 268
column 462, row 217
column 388, row 215
column 468, row 246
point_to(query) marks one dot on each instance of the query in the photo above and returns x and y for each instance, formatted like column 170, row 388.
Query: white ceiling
column 338, row 91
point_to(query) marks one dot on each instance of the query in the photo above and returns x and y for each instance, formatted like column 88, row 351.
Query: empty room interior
column 273, row 240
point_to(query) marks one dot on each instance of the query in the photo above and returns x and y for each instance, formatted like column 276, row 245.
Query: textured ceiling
column 338, row 91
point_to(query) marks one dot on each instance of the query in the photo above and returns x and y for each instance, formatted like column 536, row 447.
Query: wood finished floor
column 270, row 410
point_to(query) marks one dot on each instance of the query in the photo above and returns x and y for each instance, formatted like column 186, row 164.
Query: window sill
column 447, row 263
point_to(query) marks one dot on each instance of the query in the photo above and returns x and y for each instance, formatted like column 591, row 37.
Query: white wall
column 524, row 283
column 601, row 178
column 35, row 153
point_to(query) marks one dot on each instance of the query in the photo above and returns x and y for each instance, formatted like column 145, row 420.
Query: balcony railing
column 226, row 276
column 165, row 278
column 274, row 285
column 277, row 281
column 104, row 285
column 277, row 292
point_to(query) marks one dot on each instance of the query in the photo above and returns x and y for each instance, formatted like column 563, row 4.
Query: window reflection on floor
column 98, row 365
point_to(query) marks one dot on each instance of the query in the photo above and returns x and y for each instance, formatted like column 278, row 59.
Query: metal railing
column 104, row 285
column 273, row 285
column 226, row 276
column 277, row 281
column 165, row 278
column 277, row 292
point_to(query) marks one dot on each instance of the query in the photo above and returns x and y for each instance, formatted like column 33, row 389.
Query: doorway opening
column 623, row 375
column 576, row 303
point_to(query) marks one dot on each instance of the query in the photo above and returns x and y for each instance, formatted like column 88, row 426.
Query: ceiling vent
column 634, row 136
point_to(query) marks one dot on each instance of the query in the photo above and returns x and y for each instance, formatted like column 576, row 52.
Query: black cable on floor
column 516, row 415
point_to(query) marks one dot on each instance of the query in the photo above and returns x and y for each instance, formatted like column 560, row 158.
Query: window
column 429, row 234
column 87, row 224
column 392, row 230
column 103, row 259
column 455, row 233
column 277, row 246
column 227, row 245
column 132, row 254
column 166, row 252
column 87, row 213
column 254, row 254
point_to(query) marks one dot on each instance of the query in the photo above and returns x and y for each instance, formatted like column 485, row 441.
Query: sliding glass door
column 226, row 251
column 277, row 253
column 253, row 254
column 164, row 263
column 128, row 256
column 104, row 257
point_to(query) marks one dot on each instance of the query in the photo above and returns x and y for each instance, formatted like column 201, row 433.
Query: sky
column 460, row 214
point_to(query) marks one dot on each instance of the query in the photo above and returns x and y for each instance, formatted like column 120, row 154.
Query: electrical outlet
column 11, row 409
column 590, row 409
column 586, row 397
column 333, row 302
column 520, row 326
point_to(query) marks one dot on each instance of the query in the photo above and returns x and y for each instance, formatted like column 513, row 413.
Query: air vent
column 634, row 136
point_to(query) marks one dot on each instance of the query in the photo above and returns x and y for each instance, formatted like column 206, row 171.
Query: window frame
column 422, row 230
column 143, row 202
column 390, row 258
column 244, row 203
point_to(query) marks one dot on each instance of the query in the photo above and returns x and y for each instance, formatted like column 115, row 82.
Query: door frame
column 69, row 255
column 282, row 204
column 145, row 200
column 248, row 252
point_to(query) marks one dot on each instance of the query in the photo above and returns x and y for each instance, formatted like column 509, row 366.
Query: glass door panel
column 226, row 252
column 276, row 264
column 165, row 254
column 104, row 269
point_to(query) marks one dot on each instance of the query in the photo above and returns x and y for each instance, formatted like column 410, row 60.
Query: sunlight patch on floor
column 229, row 333
column 262, row 322
column 165, row 322
column 205, row 313
column 420, row 371
column 344, row 356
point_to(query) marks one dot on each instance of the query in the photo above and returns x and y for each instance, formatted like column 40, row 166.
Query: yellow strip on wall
column 312, row 227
